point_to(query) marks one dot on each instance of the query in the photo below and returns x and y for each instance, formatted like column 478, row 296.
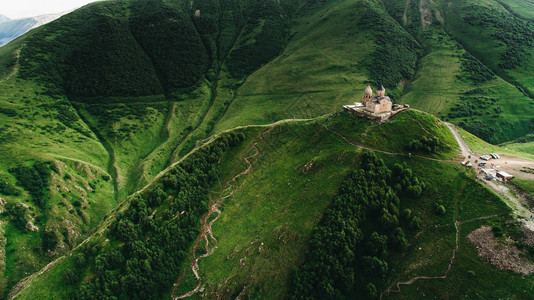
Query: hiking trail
column 206, row 232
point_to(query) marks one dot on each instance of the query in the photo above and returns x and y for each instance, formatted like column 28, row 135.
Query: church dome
column 368, row 91
column 381, row 92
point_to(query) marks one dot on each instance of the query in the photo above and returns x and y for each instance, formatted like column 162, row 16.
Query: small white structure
column 489, row 174
column 504, row 176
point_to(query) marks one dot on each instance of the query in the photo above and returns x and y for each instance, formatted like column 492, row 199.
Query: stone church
column 376, row 104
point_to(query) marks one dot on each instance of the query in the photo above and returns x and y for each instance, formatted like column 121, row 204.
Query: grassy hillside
column 96, row 104
column 332, row 53
column 456, row 81
column 522, row 9
column 495, row 36
column 457, row 87
column 122, row 88
column 263, row 232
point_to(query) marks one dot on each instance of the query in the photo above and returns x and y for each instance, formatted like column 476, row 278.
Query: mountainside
column 260, row 237
column 4, row 19
column 11, row 29
column 129, row 127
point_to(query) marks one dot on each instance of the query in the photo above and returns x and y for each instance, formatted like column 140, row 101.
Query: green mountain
column 127, row 123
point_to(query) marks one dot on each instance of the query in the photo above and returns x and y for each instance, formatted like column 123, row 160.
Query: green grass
column 471, row 276
column 522, row 147
column 438, row 89
column 525, row 184
column 480, row 40
column 480, row 147
column 158, row 103
column 521, row 8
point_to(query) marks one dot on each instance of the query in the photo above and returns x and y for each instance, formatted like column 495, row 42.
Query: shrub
column 497, row 231
column 34, row 179
column 440, row 210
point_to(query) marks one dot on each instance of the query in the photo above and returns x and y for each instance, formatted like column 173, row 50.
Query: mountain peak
column 4, row 18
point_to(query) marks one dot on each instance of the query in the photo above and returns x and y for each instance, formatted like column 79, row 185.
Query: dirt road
column 509, row 164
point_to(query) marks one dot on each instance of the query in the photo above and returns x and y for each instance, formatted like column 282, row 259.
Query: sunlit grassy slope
column 115, row 92
column 523, row 9
column 494, row 35
column 493, row 109
column 265, row 226
column 327, row 63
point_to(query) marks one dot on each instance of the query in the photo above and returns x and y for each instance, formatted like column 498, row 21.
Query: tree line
column 364, row 224
column 154, row 233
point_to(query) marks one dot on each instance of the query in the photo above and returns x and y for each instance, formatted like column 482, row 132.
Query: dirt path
column 206, row 233
column 382, row 151
column 397, row 285
column 405, row 15
column 517, row 202
column 466, row 152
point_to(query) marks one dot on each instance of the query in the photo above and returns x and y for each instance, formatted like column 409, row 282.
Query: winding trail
column 414, row 279
column 468, row 154
column 382, row 151
column 206, row 232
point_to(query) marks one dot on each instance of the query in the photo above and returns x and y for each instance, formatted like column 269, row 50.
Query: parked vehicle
column 494, row 155
column 482, row 163
column 485, row 157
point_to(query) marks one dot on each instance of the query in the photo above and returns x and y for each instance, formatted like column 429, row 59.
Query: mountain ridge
column 112, row 96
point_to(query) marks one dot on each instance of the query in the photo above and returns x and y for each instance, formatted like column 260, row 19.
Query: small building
column 488, row 174
column 504, row 176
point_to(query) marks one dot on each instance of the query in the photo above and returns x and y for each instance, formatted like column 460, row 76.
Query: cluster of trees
column 472, row 106
column 395, row 53
column 364, row 224
column 473, row 70
column 67, row 115
column 8, row 111
column 107, row 62
column 118, row 49
column 266, row 30
column 20, row 214
column 168, row 36
column 515, row 34
column 109, row 114
column 35, row 179
column 156, row 230
column 481, row 130
column 424, row 144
